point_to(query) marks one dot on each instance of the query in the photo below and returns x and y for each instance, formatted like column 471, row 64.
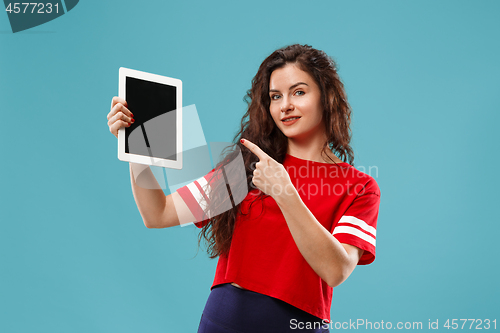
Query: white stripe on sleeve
column 203, row 183
column 355, row 232
column 360, row 223
column 197, row 195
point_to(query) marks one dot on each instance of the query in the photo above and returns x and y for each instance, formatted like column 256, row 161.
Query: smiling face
column 295, row 96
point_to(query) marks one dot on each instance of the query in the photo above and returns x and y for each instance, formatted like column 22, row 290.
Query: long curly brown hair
column 258, row 126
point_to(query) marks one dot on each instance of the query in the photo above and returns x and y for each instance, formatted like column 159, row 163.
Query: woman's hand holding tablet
column 119, row 116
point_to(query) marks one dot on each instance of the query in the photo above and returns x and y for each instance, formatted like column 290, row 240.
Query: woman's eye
column 274, row 97
column 299, row 93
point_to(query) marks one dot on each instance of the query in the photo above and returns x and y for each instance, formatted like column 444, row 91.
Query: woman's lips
column 290, row 122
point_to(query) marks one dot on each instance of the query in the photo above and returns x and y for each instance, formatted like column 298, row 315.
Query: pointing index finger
column 255, row 149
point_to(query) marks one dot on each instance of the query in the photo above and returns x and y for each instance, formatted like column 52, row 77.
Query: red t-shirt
column 264, row 257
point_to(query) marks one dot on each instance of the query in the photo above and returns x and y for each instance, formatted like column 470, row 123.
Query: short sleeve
column 196, row 195
column 358, row 225
column 226, row 185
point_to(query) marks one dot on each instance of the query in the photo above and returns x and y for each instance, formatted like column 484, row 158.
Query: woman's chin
column 297, row 135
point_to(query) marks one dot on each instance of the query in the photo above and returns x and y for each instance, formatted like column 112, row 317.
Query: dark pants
column 231, row 309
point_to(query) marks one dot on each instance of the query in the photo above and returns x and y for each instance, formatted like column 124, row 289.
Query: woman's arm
column 156, row 209
column 330, row 259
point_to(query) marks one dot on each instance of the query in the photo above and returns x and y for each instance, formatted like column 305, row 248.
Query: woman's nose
column 287, row 105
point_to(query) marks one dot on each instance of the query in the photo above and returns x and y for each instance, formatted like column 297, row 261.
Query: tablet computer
column 155, row 138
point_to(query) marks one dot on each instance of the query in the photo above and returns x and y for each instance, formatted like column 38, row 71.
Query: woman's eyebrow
column 291, row 87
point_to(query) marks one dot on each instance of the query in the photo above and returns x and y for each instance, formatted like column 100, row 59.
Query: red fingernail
column 132, row 120
column 242, row 140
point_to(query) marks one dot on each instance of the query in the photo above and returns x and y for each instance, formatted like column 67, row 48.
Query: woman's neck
column 311, row 150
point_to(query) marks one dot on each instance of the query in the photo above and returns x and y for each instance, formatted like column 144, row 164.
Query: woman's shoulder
column 367, row 178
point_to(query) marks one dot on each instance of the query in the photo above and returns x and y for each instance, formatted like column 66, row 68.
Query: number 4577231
column 36, row 8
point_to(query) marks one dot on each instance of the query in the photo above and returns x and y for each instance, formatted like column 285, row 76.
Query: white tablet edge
column 141, row 159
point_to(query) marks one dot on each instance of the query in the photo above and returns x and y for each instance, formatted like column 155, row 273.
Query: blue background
column 422, row 78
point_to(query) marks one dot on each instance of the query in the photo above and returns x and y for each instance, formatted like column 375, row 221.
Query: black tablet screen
column 154, row 131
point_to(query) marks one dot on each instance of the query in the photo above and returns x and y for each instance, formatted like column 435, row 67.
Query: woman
column 309, row 217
